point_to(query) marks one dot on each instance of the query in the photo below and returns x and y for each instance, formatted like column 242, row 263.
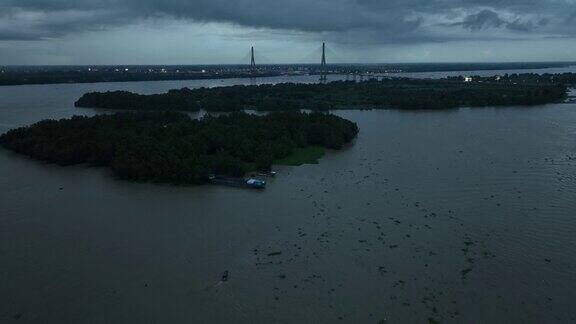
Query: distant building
column 467, row 79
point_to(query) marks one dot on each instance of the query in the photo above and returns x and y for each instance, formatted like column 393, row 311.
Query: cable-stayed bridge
column 328, row 62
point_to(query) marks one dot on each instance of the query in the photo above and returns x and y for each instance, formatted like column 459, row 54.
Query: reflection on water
column 463, row 216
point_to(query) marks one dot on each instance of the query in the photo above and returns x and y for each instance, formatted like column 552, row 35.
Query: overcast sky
column 285, row 31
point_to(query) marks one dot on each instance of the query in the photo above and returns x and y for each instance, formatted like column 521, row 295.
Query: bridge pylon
column 323, row 70
column 252, row 61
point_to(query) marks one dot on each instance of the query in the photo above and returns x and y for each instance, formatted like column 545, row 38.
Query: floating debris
column 225, row 275
column 465, row 272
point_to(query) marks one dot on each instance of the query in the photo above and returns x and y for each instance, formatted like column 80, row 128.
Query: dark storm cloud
column 483, row 19
column 489, row 19
column 344, row 20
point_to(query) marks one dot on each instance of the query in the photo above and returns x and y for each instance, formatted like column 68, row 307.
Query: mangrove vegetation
column 171, row 147
column 371, row 94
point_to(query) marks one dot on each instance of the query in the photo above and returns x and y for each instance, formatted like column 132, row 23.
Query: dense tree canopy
column 171, row 147
column 386, row 93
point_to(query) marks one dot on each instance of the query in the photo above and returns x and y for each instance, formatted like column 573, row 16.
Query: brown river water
column 461, row 216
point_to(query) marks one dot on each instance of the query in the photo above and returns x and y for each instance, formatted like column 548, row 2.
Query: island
column 399, row 93
column 171, row 147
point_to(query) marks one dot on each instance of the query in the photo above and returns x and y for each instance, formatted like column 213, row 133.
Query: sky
column 60, row 32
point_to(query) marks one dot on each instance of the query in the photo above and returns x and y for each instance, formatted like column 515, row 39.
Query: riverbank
column 300, row 156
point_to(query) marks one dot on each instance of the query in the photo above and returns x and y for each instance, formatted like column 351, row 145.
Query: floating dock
column 251, row 183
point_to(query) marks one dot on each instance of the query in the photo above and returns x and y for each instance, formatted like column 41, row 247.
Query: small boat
column 225, row 275
column 256, row 183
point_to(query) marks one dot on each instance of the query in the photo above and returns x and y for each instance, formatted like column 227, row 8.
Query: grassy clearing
column 306, row 155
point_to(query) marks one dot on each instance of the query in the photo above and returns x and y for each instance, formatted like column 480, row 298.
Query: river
column 461, row 216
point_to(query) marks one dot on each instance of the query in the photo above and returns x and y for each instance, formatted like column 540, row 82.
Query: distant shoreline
column 37, row 75
column 121, row 79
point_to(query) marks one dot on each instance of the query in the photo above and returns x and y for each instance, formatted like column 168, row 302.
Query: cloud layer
column 367, row 21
